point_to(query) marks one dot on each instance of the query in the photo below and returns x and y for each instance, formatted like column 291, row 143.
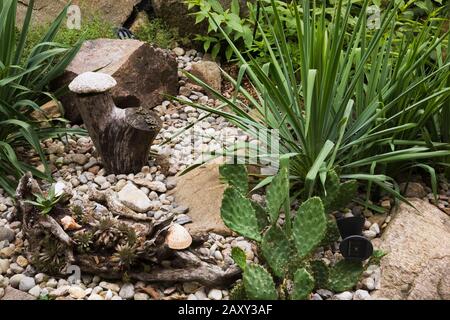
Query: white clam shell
column 178, row 238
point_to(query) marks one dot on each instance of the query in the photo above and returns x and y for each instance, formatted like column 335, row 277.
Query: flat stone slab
column 202, row 191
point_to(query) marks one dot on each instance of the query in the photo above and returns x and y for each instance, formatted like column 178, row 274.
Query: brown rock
column 202, row 191
column 45, row 11
column 209, row 72
column 14, row 294
column 143, row 73
column 413, row 190
column 50, row 110
column 417, row 263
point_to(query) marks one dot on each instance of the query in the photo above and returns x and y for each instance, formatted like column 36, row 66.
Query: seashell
column 178, row 238
column 69, row 223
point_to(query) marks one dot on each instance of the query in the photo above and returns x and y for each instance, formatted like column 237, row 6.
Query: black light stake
column 354, row 246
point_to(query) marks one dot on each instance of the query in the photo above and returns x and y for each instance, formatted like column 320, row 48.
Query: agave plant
column 46, row 203
column 370, row 102
column 23, row 84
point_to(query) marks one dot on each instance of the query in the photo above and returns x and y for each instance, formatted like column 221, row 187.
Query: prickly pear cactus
column 337, row 194
column 239, row 257
column 344, row 275
column 309, row 226
column 258, row 283
column 276, row 249
column 277, row 193
column 238, row 292
column 303, row 285
column 320, row 272
column 238, row 214
column 235, row 175
column 332, row 233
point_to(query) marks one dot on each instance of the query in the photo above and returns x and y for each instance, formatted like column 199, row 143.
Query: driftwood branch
column 130, row 244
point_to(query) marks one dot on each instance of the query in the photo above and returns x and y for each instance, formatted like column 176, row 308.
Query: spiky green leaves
column 309, row 226
column 259, row 284
column 276, row 249
column 235, row 175
column 277, row 193
column 303, row 285
column 344, row 275
column 238, row 214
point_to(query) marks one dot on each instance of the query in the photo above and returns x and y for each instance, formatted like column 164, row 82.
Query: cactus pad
column 276, row 249
column 303, row 285
column 277, row 193
column 259, row 284
column 238, row 214
column 309, row 226
column 235, row 175
column 344, row 275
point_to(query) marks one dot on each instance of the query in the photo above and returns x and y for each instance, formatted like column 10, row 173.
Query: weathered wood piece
column 122, row 136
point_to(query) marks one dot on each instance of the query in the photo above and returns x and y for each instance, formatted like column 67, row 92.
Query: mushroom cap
column 92, row 82
column 178, row 238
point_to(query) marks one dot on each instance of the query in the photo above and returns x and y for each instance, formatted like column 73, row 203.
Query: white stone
column 361, row 295
column 215, row 294
column 35, row 291
column 127, row 291
column 77, row 292
column 134, row 198
column 92, row 82
column 375, row 228
column 95, row 296
column 141, row 296
column 346, row 295
column 26, row 283
column 4, row 266
column 369, row 283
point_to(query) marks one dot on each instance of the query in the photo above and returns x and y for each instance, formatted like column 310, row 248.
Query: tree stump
column 115, row 244
column 122, row 130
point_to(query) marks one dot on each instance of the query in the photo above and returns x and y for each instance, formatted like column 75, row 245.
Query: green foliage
column 156, row 32
column 239, row 257
column 344, row 275
column 236, row 27
column 276, row 249
column 238, row 214
column 277, row 192
column 287, row 250
column 235, row 176
column 303, row 285
column 376, row 256
column 320, row 272
column 238, row 291
column 373, row 103
column 46, row 203
column 93, row 28
column 338, row 195
column 24, row 77
column 309, row 226
column 258, row 283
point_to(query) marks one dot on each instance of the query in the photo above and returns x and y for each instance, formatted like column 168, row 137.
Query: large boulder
column 45, row 11
column 141, row 71
column 202, row 191
column 176, row 15
column 417, row 264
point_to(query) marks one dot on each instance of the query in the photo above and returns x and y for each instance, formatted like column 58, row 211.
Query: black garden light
column 354, row 246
